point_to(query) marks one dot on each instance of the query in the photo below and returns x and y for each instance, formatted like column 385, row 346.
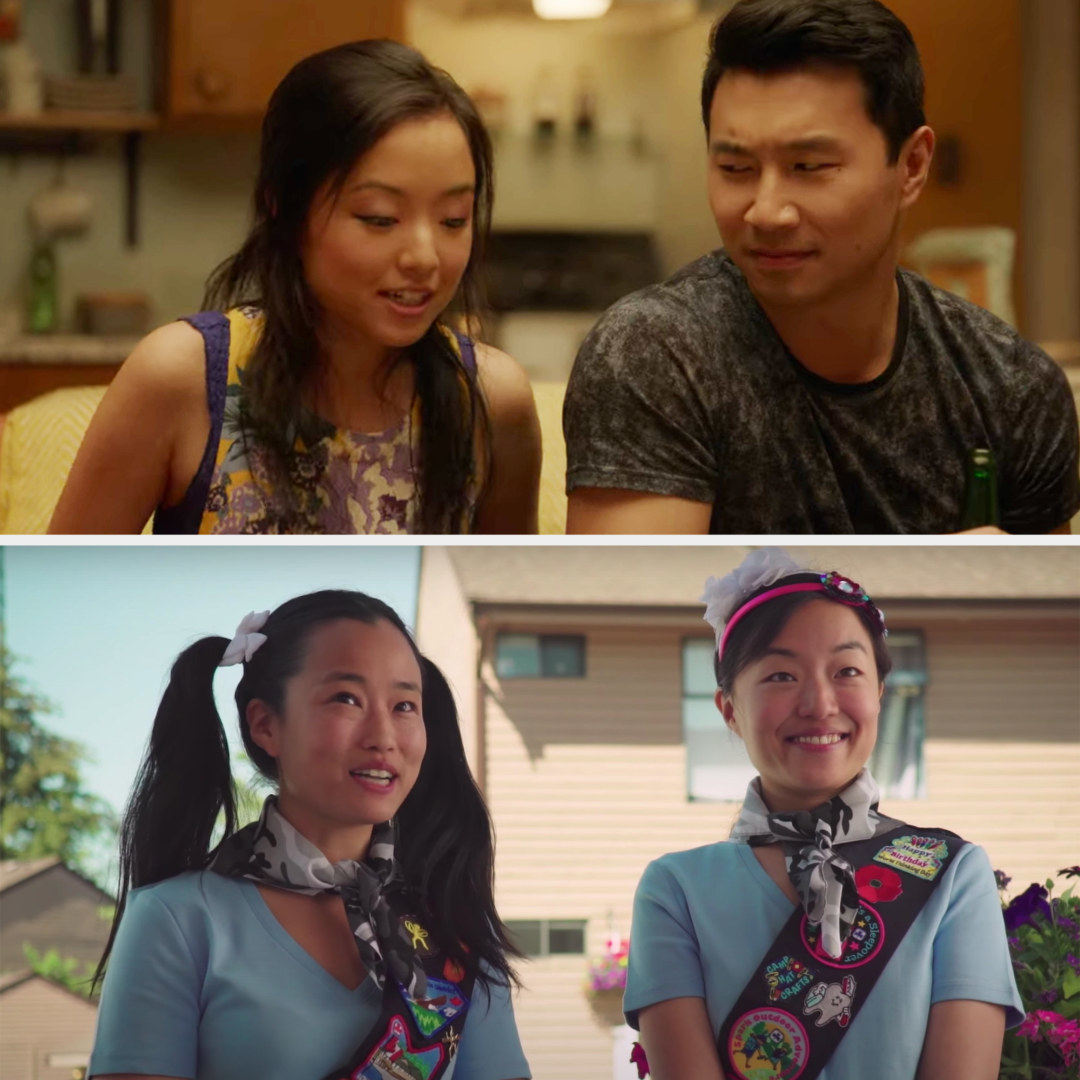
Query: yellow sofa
column 549, row 401
column 38, row 442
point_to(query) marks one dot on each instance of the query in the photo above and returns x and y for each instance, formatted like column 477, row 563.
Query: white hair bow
column 246, row 640
column 760, row 568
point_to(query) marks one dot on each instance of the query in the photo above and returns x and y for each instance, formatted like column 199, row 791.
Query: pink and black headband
column 832, row 584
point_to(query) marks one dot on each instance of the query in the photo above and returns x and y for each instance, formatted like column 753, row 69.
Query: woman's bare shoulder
column 510, row 501
column 144, row 442
column 504, row 381
column 170, row 359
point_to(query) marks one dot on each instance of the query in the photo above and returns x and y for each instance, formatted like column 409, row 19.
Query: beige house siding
column 586, row 780
column 445, row 632
column 581, row 573
column 39, row 1019
column 586, row 783
column 1003, row 745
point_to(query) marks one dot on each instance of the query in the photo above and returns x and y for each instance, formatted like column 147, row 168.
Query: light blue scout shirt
column 204, row 982
column 704, row 918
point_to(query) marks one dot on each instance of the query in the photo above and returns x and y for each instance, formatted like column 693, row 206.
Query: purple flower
column 1023, row 909
column 1069, row 925
column 1070, row 871
column 1002, row 879
column 1073, row 962
column 1048, row 997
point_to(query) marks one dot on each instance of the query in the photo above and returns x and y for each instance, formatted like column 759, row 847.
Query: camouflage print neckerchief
column 271, row 852
column 823, row 878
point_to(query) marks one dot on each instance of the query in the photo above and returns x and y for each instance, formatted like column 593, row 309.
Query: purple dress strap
column 468, row 353
column 186, row 516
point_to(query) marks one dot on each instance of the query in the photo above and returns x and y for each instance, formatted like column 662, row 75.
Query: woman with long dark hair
column 327, row 388
column 823, row 940
column 351, row 931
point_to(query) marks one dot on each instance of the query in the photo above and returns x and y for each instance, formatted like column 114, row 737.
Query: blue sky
column 95, row 629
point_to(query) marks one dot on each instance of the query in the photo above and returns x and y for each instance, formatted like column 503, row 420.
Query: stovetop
column 566, row 271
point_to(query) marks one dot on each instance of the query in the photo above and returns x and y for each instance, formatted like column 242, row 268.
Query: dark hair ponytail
column 183, row 784
column 445, row 843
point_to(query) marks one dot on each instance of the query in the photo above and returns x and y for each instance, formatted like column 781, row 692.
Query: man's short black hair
column 766, row 36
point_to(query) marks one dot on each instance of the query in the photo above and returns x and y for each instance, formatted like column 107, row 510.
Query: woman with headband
column 351, row 931
column 823, row 939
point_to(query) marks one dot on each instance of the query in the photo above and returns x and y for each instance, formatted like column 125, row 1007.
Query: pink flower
column 1029, row 1029
column 1066, row 1037
column 1049, row 1017
column 637, row 1056
column 1059, row 1032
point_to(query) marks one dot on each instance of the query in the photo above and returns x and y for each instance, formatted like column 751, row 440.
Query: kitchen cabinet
column 20, row 383
column 34, row 364
column 224, row 57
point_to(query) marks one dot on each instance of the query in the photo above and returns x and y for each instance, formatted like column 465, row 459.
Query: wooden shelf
column 66, row 131
column 79, row 120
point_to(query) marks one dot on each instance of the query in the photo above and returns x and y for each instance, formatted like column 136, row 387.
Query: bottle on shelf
column 585, row 104
column 43, row 308
column 545, row 108
column 981, row 492
column 22, row 87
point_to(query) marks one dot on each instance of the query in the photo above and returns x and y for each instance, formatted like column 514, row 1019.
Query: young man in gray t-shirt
column 798, row 381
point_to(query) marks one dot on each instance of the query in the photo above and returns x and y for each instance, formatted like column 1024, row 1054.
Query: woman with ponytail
column 327, row 387
column 350, row 931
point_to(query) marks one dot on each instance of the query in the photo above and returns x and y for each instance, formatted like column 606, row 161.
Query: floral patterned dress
column 345, row 482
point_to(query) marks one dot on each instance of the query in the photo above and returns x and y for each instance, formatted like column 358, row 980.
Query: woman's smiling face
column 350, row 739
column 807, row 709
column 385, row 255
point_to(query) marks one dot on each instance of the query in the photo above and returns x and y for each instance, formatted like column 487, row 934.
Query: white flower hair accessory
column 246, row 640
column 760, row 568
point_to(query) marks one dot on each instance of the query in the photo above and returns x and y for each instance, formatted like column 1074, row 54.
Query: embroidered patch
column 438, row 1007
column 878, row 884
column 768, row 1044
column 418, row 934
column 787, row 977
column 918, row 855
column 831, row 1001
column 863, row 944
column 453, row 971
column 395, row 1059
column 450, row 1041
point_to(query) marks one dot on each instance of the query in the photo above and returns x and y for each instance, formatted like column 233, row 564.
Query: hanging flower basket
column 607, row 974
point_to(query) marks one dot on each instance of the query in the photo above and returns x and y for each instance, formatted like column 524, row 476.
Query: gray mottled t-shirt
column 684, row 388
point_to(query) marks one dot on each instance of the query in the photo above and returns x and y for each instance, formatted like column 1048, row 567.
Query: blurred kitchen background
column 129, row 133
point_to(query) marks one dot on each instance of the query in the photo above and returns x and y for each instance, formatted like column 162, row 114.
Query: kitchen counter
column 64, row 349
column 33, row 364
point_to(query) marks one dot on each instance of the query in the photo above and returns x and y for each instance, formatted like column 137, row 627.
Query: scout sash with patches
column 425, row 992
column 800, row 1002
column 416, row 1036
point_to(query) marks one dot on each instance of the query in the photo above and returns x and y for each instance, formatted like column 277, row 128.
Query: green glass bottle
column 981, row 492
column 42, row 313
